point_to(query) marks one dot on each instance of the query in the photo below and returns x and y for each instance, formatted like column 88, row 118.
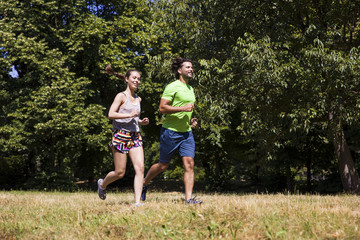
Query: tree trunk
column 308, row 172
column 289, row 183
column 349, row 175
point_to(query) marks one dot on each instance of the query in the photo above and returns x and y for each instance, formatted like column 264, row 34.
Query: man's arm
column 166, row 108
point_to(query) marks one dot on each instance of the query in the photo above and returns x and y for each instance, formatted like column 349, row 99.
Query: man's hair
column 177, row 64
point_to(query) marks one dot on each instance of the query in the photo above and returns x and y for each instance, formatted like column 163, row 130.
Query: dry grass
column 40, row 215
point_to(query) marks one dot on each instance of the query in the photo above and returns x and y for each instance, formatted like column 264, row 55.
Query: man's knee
column 188, row 163
column 163, row 166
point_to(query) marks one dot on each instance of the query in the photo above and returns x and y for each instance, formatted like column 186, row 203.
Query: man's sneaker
column 193, row 201
column 101, row 192
column 143, row 193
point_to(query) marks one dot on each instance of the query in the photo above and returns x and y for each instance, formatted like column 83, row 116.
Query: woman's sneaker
column 101, row 192
column 193, row 201
column 139, row 204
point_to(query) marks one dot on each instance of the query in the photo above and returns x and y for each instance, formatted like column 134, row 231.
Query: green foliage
column 13, row 168
column 274, row 82
column 54, row 179
column 54, row 119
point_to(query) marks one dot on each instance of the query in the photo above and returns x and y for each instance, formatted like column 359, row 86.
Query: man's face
column 186, row 70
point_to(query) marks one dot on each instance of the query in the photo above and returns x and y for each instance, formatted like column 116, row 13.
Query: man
column 177, row 102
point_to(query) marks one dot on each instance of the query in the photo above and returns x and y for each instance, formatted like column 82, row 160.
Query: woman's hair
column 177, row 64
column 110, row 71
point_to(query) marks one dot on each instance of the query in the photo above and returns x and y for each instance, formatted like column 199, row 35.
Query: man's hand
column 193, row 123
column 188, row 107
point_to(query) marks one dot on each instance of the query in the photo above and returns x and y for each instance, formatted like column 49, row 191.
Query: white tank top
column 128, row 124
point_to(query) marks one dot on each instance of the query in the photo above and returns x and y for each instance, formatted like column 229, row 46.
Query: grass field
column 82, row 215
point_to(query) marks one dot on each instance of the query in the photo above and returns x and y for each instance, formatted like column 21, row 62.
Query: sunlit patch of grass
column 82, row 215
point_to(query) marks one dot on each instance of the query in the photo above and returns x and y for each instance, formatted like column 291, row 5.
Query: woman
column 125, row 112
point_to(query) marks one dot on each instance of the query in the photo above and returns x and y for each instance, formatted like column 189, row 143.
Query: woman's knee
column 139, row 169
column 120, row 174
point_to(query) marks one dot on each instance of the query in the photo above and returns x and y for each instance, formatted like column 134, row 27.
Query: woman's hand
column 144, row 121
column 134, row 113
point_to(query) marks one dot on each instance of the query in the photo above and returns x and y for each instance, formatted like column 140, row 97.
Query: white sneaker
column 138, row 204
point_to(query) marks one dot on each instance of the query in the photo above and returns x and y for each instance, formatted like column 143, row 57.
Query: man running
column 177, row 102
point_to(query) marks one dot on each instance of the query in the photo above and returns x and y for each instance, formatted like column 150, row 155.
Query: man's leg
column 155, row 170
column 188, row 176
column 167, row 147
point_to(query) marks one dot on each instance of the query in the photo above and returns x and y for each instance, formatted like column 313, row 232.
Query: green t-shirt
column 179, row 94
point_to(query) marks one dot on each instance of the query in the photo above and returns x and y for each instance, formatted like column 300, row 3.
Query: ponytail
column 110, row 71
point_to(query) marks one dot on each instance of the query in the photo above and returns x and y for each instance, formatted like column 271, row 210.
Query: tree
column 276, row 82
column 54, row 118
column 269, row 71
column 337, row 74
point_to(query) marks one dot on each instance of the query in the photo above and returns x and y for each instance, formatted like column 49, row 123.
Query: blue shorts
column 171, row 142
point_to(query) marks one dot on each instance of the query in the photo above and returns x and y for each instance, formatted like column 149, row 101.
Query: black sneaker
column 193, row 201
column 143, row 193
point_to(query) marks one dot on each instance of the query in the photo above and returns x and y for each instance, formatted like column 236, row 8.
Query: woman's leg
column 137, row 157
column 120, row 168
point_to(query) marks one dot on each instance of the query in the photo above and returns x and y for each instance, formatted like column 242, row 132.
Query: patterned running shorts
column 123, row 140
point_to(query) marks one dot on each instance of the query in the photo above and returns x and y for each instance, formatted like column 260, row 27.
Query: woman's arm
column 144, row 121
column 117, row 103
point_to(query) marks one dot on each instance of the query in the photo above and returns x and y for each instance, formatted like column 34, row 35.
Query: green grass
column 82, row 215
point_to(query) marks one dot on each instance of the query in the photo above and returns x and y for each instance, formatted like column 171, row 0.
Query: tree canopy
column 276, row 84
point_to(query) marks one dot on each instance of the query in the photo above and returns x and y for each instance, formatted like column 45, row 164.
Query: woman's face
column 133, row 80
